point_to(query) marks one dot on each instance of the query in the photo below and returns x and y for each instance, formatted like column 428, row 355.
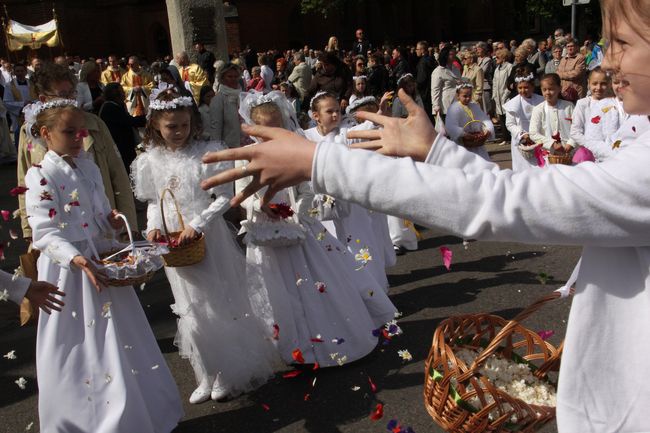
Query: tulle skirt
column 316, row 306
column 217, row 330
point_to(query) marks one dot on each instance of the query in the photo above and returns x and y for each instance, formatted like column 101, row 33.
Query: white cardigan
column 539, row 131
column 604, row 207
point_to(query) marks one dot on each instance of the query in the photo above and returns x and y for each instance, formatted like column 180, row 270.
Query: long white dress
column 459, row 116
column 355, row 228
column 217, row 331
column 605, row 207
column 99, row 367
column 310, row 295
column 518, row 112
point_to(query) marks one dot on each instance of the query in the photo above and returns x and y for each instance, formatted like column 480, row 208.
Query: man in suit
column 361, row 44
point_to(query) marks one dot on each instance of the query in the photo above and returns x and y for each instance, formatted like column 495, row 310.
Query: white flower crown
column 181, row 101
column 359, row 77
column 529, row 77
column 31, row 111
column 359, row 102
column 464, row 85
column 408, row 74
column 261, row 100
column 316, row 96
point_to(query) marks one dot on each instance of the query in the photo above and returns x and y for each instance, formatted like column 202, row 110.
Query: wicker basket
column 474, row 127
column 447, row 379
column 185, row 255
column 122, row 282
column 559, row 158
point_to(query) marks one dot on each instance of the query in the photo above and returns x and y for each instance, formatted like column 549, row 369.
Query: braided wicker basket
column 477, row 131
column 450, row 384
column 560, row 158
column 184, row 255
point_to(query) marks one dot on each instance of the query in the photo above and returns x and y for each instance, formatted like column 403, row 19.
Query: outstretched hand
column 42, row 295
column 283, row 159
column 410, row 137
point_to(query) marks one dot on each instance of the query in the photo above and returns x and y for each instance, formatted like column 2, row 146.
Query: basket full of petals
column 475, row 134
column 180, row 255
column 487, row 374
column 132, row 265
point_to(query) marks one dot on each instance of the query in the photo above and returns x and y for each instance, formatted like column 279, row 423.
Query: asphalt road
column 500, row 278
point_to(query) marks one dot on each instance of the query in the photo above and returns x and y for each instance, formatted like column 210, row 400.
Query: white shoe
column 218, row 392
column 200, row 395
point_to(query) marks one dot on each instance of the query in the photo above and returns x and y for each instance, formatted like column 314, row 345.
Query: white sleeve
column 589, row 204
column 513, row 126
column 445, row 152
column 453, row 122
column 436, row 90
column 15, row 288
column 222, row 193
column 536, row 132
column 578, row 123
column 46, row 233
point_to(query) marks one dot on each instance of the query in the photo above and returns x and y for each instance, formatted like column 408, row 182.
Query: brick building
column 141, row 27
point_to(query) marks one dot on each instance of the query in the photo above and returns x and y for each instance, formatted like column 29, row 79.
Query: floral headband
column 529, row 77
column 360, row 102
column 404, row 76
column 465, row 85
column 33, row 110
column 181, row 101
column 360, row 77
column 261, row 100
column 316, row 96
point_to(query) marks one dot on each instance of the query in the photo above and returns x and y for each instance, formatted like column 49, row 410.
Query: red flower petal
column 5, row 214
column 595, row 119
column 378, row 413
column 316, row 340
column 316, row 366
column 18, row 190
column 51, row 213
column 266, row 407
column 307, row 397
column 297, row 356
column 291, row 374
column 545, row 334
column 43, row 182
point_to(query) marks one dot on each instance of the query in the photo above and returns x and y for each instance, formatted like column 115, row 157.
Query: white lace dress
column 217, row 331
column 310, row 295
column 355, row 228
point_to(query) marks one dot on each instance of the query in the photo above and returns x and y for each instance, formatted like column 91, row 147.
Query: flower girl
column 466, row 123
column 352, row 224
column 99, row 366
column 318, row 308
column 518, row 111
column 216, row 330
column 550, row 122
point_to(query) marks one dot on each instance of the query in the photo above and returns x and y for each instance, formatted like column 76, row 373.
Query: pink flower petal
column 546, row 334
column 446, row 257
column 5, row 214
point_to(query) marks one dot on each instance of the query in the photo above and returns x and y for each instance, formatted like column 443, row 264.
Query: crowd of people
column 305, row 283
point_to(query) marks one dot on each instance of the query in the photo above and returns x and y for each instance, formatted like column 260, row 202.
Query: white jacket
column 546, row 121
column 604, row 207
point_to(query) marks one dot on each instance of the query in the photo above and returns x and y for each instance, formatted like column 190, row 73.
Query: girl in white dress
column 464, row 112
column 595, row 117
column 518, row 112
column 352, row 226
column 217, row 331
column 550, row 123
column 319, row 309
column 99, row 366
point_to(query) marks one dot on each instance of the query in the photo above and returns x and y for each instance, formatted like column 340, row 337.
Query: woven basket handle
column 507, row 329
column 162, row 211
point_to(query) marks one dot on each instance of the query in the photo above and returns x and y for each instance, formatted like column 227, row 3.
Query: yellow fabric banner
column 21, row 35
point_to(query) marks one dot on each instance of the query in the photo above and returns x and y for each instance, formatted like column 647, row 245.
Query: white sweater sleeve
column 16, row 289
column 590, row 204
column 537, row 129
column 513, row 126
column 454, row 122
column 578, row 123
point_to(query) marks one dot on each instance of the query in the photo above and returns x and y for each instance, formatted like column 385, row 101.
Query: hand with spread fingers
column 42, row 295
column 410, row 137
column 282, row 159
